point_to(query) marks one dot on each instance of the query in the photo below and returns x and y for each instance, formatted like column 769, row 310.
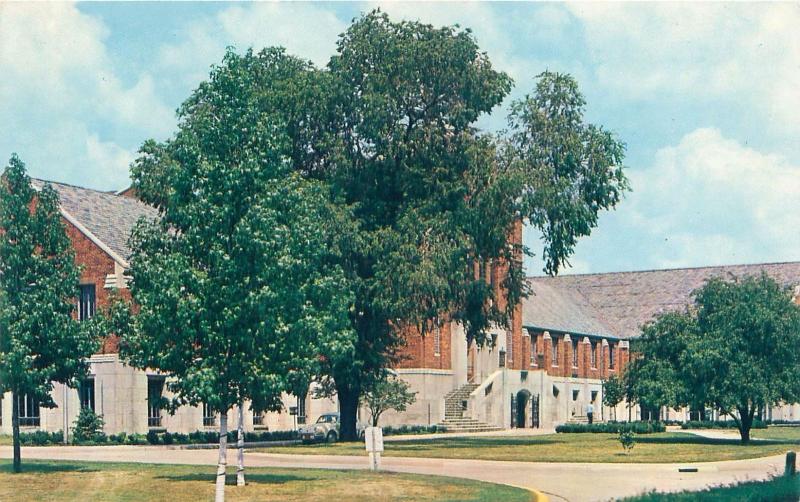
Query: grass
column 782, row 489
column 118, row 482
column 783, row 433
column 667, row 447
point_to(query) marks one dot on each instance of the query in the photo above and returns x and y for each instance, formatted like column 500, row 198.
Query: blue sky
column 705, row 96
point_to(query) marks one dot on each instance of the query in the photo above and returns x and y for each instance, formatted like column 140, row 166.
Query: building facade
column 569, row 335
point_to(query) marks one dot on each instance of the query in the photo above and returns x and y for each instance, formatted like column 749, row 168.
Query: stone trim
column 422, row 371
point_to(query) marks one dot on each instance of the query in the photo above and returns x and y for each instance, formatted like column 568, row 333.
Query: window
column 534, row 349
column 86, row 393
column 86, row 302
column 155, row 387
column 611, row 358
column 593, row 347
column 28, row 411
column 437, row 338
column 209, row 417
column 509, row 347
column 575, row 353
column 258, row 418
column 575, row 394
column 301, row 409
column 555, row 351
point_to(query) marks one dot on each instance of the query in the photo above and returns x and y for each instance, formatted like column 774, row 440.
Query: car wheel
column 332, row 437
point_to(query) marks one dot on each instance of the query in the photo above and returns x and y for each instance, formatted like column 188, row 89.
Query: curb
column 538, row 496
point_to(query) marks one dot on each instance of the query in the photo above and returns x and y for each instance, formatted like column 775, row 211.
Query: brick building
column 570, row 334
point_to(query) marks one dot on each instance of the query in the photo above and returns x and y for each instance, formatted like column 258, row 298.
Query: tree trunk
column 222, row 465
column 240, row 447
column 745, row 423
column 15, row 429
column 348, row 409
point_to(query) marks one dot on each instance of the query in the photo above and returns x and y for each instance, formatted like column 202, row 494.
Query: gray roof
column 619, row 304
column 110, row 217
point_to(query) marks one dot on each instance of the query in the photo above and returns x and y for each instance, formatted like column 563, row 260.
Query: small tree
column 88, row 425
column 613, row 392
column 735, row 350
column 239, row 294
column 40, row 340
column 627, row 439
column 387, row 393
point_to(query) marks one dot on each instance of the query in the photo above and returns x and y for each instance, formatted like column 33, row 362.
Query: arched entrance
column 523, row 402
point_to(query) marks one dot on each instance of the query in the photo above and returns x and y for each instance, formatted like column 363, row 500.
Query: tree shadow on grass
column 468, row 443
column 693, row 439
column 7, row 467
column 230, row 479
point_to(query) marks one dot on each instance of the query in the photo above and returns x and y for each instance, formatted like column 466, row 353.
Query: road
column 560, row 481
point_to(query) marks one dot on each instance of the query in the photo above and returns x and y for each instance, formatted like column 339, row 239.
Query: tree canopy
column 387, row 133
column 41, row 342
column 735, row 350
column 238, row 284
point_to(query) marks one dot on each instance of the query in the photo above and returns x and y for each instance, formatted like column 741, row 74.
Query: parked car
column 326, row 429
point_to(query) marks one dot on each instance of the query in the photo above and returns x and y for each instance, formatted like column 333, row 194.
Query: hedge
column 206, row 437
column 413, row 429
column 719, row 424
column 614, row 427
column 43, row 438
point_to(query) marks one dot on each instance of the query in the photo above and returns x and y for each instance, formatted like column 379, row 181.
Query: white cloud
column 113, row 159
column 59, row 87
column 306, row 30
column 738, row 52
column 709, row 199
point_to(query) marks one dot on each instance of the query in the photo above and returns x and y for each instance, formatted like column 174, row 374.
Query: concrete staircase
column 578, row 419
column 454, row 407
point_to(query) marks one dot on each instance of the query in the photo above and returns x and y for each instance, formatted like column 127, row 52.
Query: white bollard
column 373, row 440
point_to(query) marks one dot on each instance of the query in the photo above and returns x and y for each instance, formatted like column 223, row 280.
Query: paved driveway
column 560, row 481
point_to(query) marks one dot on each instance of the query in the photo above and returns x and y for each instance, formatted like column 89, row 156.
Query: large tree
column 734, row 349
column 389, row 128
column 434, row 197
column 238, row 284
column 41, row 341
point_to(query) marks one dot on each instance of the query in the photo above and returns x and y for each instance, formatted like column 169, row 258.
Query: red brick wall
column 564, row 367
column 95, row 264
column 418, row 351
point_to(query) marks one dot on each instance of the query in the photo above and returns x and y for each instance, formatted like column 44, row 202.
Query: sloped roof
column 618, row 304
column 110, row 217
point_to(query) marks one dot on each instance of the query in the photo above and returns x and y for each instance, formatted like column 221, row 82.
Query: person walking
column 590, row 412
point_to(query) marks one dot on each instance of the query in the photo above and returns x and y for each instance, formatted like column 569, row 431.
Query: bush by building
column 614, row 427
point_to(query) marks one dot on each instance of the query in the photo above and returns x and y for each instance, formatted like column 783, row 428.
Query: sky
column 705, row 96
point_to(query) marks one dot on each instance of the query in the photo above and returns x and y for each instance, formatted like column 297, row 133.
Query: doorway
column 523, row 400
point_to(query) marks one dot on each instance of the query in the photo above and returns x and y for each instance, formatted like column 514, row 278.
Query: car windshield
column 327, row 419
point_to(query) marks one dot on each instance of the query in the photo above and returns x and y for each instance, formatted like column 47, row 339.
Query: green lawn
column 665, row 447
column 777, row 490
column 117, row 482
column 784, row 433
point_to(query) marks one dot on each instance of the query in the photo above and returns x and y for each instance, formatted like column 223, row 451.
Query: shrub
column 41, row 438
column 627, row 439
column 412, row 429
column 153, row 437
column 614, row 427
column 88, row 427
